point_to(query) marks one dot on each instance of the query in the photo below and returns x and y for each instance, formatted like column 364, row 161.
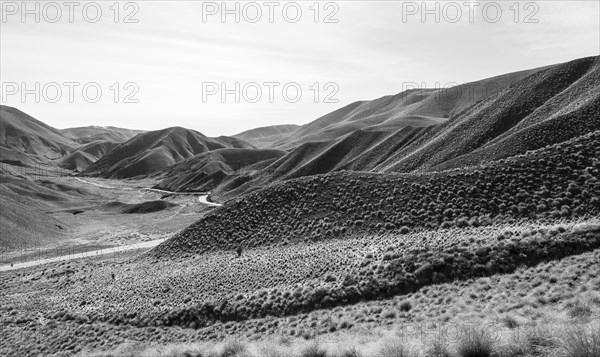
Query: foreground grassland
column 348, row 256
column 357, row 289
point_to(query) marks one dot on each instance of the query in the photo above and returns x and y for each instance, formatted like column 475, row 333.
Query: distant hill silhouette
column 156, row 150
column 86, row 155
column 25, row 140
column 549, row 106
column 205, row 171
column 413, row 107
column 88, row 134
column 266, row 136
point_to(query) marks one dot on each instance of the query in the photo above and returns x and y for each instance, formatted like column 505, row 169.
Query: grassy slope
column 551, row 105
column 23, row 225
column 548, row 309
column 77, row 306
column 21, row 134
column 265, row 136
column 89, row 134
column 421, row 107
column 86, row 155
column 205, row 171
column 560, row 180
column 155, row 150
column 24, row 222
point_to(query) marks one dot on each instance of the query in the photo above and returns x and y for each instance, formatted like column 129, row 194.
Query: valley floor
column 96, row 222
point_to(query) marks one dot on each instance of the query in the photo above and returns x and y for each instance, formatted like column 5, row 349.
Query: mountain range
column 417, row 130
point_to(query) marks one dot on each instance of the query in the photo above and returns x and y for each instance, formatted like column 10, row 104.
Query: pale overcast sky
column 173, row 55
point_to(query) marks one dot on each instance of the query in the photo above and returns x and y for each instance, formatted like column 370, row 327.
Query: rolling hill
column 89, row 134
column 86, row 155
column 561, row 180
column 204, row 172
column 266, row 136
column 23, row 225
column 23, row 205
column 413, row 107
column 156, row 150
column 547, row 107
column 551, row 105
column 25, row 140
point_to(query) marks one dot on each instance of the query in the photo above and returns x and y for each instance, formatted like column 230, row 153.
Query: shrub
column 474, row 343
column 388, row 314
column 510, row 322
column 405, row 306
column 329, row 278
column 349, row 280
column 538, row 342
column 395, row 348
column 580, row 311
column 272, row 350
column 352, row 352
column 438, row 348
column 314, row 350
column 233, row 349
column 581, row 343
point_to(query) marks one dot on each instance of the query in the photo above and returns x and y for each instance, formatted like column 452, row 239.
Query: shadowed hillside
column 551, row 105
column 558, row 181
column 86, row 155
column 25, row 140
column 205, row 171
column 23, row 206
column 413, row 107
column 24, row 225
column 155, row 150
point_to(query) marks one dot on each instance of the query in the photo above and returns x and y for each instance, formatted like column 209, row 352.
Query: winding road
column 113, row 250
column 202, row 199
column 92, row 253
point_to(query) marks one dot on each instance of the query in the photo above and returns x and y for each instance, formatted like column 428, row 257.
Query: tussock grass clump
column 437, row 348
column 351, row 352
column 581, row 342
column 313, row 350
column 580, row 311
column 233, row 349
column 395, row 348
column 475, row 343
column 509, row 321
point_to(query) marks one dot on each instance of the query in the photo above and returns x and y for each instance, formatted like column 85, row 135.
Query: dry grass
column 556, row 340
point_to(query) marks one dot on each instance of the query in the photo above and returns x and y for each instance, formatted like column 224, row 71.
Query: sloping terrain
column 545, row 274
column 143, row 207
column 557, row 181
column 206, row 171
column 266, row 136
column 487, row 220
column 551, row 105
column 308, row 159
column 413, row 107
column 87, row 134
column 23, row 224
column 156, row 150
column 86, row 155
column 25, row 140
column 24, row 202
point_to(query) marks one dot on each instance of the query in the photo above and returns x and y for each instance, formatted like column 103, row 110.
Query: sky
column 202, row 65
